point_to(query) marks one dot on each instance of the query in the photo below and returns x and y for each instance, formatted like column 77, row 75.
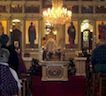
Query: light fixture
column 16, row 20
column 57, row 14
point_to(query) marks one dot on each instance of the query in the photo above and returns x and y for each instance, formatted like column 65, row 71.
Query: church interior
column 52, row 43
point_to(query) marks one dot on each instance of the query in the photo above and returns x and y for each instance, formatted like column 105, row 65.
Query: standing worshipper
column 32, row 34
column 16, row 35
column 98, row 58
column 13, row 58
column 21, row 67
column 72, row 34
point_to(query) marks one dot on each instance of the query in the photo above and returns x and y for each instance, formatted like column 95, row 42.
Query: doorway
column 86, row 35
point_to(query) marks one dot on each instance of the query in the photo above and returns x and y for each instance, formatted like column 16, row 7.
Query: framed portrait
column 31, row 37
column 100, row 34
column 68, row 40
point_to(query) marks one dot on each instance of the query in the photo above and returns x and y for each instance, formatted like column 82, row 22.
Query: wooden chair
column 95, row 84
column 95, row 79
column 26, row 84
column 102, row 86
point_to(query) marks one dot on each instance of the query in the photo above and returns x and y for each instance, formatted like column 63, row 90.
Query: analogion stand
column 80, row 63
column 54, row 70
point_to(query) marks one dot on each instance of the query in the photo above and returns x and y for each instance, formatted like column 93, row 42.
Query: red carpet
column 74, row 87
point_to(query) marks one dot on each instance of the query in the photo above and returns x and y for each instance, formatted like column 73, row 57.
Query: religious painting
column 71, row 34
column 31, row 34
column 100, row 9
column 16, row 8
column 86, row 39
column 32, row 9
column 74, row 8
column 86, row 9
column 101, row 29
column 3, row 26
column 3, row 9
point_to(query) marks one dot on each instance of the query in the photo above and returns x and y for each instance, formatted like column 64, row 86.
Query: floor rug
column 75, row 86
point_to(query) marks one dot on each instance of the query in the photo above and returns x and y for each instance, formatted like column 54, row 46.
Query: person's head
column 16, row 44
column 71, row 23
column 4, row 40
column 44, row 38
column 31, row 23
column 4, row 55
column 102, row 23
column 14, row 27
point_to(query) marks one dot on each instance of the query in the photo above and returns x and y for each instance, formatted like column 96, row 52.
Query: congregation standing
column 11, row 64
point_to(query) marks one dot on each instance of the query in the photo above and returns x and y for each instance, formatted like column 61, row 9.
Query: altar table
column 54, row 70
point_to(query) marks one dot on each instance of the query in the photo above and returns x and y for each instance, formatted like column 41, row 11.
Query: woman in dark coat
column 13, row 59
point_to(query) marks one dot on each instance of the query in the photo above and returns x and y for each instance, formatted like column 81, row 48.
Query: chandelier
column 57, row 15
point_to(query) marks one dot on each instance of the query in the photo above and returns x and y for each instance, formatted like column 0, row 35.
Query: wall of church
column 31, row 11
